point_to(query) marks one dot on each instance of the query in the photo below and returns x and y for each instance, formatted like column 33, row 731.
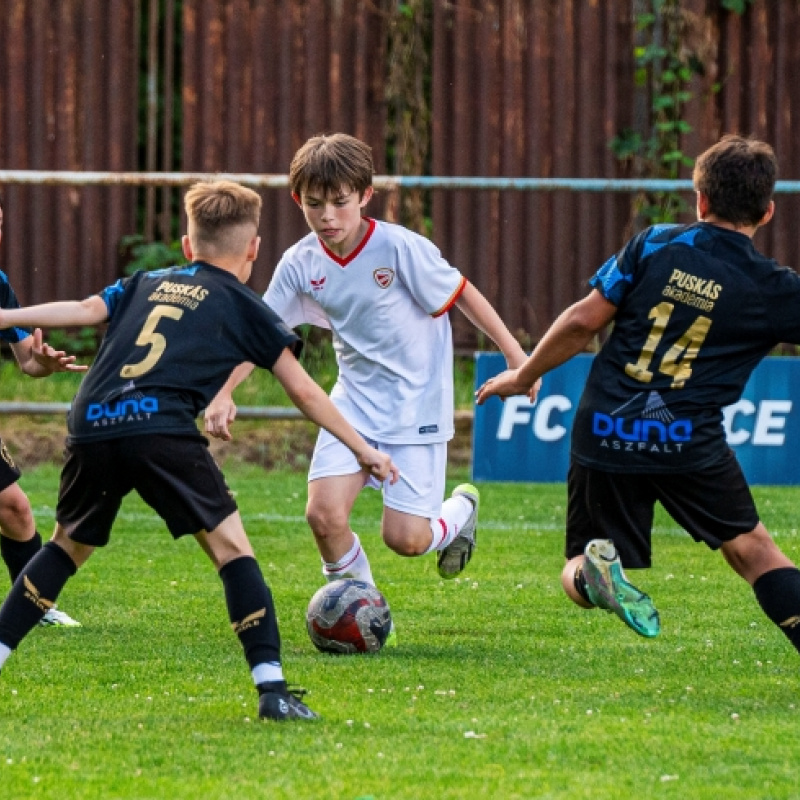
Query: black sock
column 34, row 592
column 17, row 554
column 580, row 583
column 251, row 611
column 778, row 593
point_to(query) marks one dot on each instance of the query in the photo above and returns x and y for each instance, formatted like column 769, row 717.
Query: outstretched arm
column 38, row 359
column 221, row 411
column 569, row 335
column 477, row 309
column 91, row 311
column 309, row 397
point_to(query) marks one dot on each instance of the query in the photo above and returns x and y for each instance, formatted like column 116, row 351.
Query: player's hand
column 219, row 415
column 379, row 465
column 533, row 392
column 506, row 384
column 51, row 360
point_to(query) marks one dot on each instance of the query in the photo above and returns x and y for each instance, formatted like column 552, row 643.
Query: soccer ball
column 348, row 616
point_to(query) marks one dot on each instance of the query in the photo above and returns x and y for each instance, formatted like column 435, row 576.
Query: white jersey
column 386, row 305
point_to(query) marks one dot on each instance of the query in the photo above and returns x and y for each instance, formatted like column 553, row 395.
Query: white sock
column 5, row 652
column 353, row 564
column 267, row 672
column 455, row 512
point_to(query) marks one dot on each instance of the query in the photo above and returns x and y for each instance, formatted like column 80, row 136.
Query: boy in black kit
column 19, row 539
column 173, row 338
column 695, row 308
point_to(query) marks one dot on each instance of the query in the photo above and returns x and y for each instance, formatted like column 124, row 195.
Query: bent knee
column 326, row 522
column 16, row 517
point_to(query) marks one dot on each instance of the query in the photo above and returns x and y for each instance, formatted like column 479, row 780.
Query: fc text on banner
column 517, row 441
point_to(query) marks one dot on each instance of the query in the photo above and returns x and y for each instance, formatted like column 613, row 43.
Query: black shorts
column 9, row 472
column 175, row 475
column 714, row 505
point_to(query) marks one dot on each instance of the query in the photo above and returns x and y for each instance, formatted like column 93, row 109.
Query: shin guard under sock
column 778, row 593
column 17, row 554
column 34, row 592
column 251, row 610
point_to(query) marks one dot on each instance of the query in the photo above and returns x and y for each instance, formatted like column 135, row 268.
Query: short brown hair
column 221, row 214
column 738, row 176
column 329, row 163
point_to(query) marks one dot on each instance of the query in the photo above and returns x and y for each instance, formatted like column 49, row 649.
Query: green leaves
column 737, row 6
column 626, row 144
column 665, row 65
column 143, row 255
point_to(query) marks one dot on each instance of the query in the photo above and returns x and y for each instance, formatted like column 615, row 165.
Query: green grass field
column 499, row 688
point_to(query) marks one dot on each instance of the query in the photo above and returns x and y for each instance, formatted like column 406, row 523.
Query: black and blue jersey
column 697, row 308
column 173, row 338
column 9, row 300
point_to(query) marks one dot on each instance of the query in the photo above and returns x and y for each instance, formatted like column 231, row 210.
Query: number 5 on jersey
column 156, row 341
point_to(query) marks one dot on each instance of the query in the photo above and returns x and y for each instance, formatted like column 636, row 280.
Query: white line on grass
column 367, row 522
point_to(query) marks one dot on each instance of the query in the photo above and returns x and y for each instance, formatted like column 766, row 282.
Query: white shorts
column 423, row 469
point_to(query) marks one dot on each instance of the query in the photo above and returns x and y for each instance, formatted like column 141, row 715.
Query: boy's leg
column 416, row 521
column 179, row 479
column 774, row 578
column 252, row 614
column 459, row 527
column 330, row 501
column 37, row 588
column 19, row 539
column 600, row 580
column 573, row 582
column 411, row 534
column 607, row 504
column 334, row 482
column 727, row 519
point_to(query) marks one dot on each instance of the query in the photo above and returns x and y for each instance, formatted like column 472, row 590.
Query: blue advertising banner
column 517, row 441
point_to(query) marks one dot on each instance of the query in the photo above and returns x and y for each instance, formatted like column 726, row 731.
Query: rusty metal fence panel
column 519, row 88
column 540, row 89
column 533, row 89
column 757, row 67
column 68, row 100
column 262, row 77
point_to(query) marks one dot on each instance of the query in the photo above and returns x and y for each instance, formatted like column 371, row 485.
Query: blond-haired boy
column 173, row 338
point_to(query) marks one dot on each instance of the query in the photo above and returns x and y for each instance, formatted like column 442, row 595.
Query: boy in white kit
column 384, row 292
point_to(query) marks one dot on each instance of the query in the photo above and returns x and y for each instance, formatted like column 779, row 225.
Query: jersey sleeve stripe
column 452, row 299
column 14, row 335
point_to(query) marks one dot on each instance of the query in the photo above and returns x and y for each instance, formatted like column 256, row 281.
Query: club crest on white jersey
column 383, row 277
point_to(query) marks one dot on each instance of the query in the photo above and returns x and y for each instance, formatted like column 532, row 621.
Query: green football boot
column 608, row 588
